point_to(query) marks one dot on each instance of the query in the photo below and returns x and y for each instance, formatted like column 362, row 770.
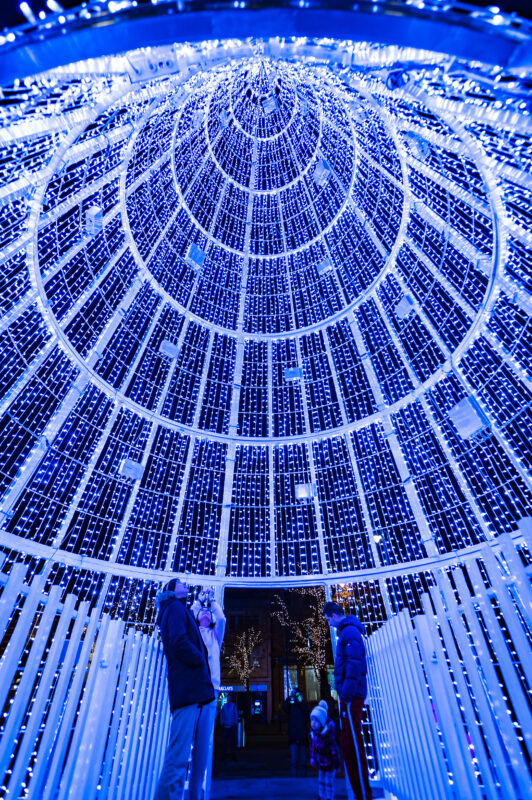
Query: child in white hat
column 323, row 750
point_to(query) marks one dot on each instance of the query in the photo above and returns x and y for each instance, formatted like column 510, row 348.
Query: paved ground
column 272, row 788
column 262, row 770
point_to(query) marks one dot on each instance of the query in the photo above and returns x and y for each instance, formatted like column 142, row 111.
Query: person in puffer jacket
column 189, row 687
column 350, row 681
column 323, row 750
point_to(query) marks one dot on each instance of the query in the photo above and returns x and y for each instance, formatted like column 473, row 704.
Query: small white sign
column 304, row 491
column 468, row 418
column 195, row 256
column 269, row 105
column 93, row 220
column 131, row 469
column 325, row 266
column 168, row 348
column 224, row 118
column 322, row 173
column 404, row 307
column 293, row 373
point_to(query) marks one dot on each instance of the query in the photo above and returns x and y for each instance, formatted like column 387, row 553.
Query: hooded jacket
column 350, row 663
column 323, row 748
column 189, row 680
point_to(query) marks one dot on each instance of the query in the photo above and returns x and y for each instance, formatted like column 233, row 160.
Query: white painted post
column 113, row 752
column 24, row 688
column 155, row 701
column 58, row 711
column 138, row 714
column 495, row 696
column 162, row 722
column 68, row 719
column 444, row 701
column 9, row 595
column 15, row 648
column 467, row 702
column 435, row 781
column 100, row 702
column 86, row 751
column 43, row 691
column 400, row 733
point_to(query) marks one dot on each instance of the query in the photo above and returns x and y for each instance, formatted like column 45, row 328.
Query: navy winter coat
column 297, row 712
column 350, row 663
column 189, row 679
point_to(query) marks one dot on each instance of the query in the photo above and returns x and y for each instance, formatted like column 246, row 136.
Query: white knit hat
column 321, row 712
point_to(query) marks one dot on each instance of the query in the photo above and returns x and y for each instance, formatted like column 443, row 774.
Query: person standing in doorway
column 297, row 713
column 211, row 624
column 351, row 684
column 229, row 725
column 189, row 686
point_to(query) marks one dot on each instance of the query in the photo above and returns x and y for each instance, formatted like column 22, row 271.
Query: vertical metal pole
column 156, row 700
column 399, row 739
column 72, row 767
column 15, row 648
column 133, row 729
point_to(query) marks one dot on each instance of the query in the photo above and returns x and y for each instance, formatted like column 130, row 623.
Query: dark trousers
column 229, row 735
column 353, row 749
column 298, row 759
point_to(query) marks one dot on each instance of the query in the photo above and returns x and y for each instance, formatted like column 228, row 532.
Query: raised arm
column 219, row 621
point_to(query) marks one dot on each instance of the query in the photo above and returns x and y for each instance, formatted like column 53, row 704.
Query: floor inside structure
column 262, row 769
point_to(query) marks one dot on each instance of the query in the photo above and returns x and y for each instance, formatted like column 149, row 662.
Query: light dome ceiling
column 266, row 311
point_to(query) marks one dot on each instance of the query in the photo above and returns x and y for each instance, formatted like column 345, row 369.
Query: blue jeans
column 202, row 752
column 188, row 723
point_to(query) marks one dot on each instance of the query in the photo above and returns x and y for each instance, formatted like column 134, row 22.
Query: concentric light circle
column 266, row 287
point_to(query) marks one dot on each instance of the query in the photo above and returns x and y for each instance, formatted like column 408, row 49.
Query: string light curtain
column 265, row 314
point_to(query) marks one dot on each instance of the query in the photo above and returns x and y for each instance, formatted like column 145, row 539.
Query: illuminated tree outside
column 309, row 637
column 242, row 660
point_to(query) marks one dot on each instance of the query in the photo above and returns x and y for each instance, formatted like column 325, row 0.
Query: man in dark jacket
column 351, row 685
column 297, row 713
column 189, row 685
column 229, row 726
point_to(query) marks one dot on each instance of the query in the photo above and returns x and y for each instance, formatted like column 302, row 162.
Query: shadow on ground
column 262, row 769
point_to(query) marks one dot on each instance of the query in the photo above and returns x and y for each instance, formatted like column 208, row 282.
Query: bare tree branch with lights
column 310, row 636
column 242, row 661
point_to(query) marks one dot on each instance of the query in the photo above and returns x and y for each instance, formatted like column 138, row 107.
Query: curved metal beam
column 474, row 35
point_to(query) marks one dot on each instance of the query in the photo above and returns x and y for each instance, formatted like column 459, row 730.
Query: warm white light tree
column 243, row 660
column 309, row 636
